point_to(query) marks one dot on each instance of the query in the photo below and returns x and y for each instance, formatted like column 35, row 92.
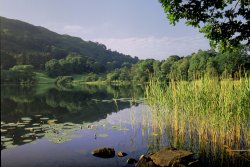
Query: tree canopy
column 23, row 43
column 225, row 22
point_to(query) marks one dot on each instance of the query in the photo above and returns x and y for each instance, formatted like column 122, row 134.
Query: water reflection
column 85, row 103
column 31, row 113
column 50, row 126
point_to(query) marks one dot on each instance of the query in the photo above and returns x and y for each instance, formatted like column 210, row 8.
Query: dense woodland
column 190, row 67
column 26, row 48
column 25, row 44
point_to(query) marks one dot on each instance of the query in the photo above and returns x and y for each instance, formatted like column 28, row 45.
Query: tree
column 24, row 68
column 198, row 63
column 53, row 68
column 18, row 74
column 166, row 66
column 113, row 75
column 225, row 22
column 7, row 61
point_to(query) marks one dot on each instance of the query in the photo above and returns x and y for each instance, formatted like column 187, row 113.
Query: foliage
column 215, row 112
column 186, row 68
column 21, row 74
column 91, row 77
column 24, row 68
column 62, row 55
column 53, row 68
column 23, row 43
column 225, row 23
column 7, row 61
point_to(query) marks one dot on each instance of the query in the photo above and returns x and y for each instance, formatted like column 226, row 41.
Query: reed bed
column 208, row 111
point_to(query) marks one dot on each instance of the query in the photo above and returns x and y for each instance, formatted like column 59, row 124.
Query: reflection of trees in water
column 81, row 106
column 18, row 93
column 74, row 105
column 113, row 90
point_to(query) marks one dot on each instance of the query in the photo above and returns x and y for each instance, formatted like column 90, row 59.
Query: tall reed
column 209, row 110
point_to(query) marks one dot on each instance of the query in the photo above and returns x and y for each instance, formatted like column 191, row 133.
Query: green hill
column 23, row 43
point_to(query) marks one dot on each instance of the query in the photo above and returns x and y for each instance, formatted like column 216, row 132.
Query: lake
column 60, row 126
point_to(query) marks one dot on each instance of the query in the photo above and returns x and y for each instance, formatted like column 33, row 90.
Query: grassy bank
column 43, row 78
column 209, row 109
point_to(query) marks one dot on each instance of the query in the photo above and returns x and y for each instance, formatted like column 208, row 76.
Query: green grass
column 214, row 110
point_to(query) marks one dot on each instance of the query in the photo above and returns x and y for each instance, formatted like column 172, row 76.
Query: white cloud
column 157, row 48
column 142, row 47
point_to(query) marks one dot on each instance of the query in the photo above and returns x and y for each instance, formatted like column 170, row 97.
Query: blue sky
column 135, row 27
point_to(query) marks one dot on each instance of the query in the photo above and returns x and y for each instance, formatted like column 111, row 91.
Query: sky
column 134, row 27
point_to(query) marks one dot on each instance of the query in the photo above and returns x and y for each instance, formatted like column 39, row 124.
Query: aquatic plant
column 212, row 111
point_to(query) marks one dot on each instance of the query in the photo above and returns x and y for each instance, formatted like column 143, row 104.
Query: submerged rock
column 169, row 157
column 104, row 152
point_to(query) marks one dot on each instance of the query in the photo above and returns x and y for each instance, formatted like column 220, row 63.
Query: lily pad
column 52, row 121
column 37, row 115
column 20, row 126
column 54, row 138
column 26, row 122
column 115, row 127
column 21, row 123
column 8, row 143
column 27, row 140
column 37, row 128
column 44, row 118
column 68, row 124
column 67, row 127
column 26, row 119
column 29, row 128
column 6, row 139
column 119, row 128
column 11, row 124
column 11, row 146
column 28, row 135
column 40, row 134
column 102, row 135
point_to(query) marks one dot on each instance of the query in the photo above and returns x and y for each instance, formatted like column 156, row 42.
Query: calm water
column 50, row 126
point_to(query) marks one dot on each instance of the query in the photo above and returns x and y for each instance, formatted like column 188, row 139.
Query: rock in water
column 131, row 161
column 168, row 157
column 104, row 152
column 145, row 162
column 121, row 154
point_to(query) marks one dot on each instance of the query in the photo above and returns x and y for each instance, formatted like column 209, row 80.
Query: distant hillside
column 23, row 43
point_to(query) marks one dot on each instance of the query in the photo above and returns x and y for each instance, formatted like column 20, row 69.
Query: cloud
column 143, row 47
column 157, row 48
